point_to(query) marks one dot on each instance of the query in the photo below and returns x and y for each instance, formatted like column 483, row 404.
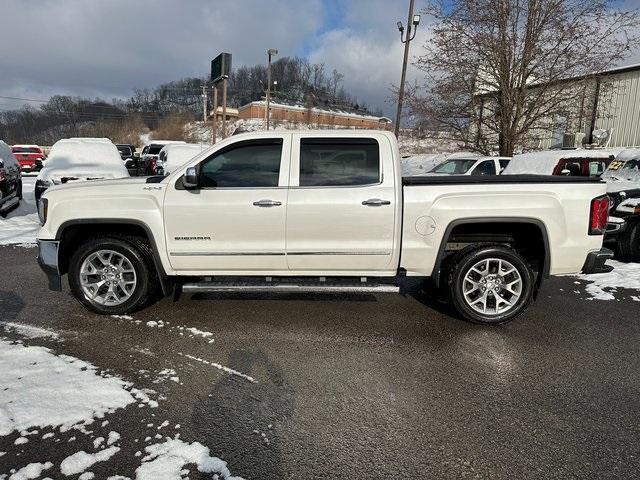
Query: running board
column 213, row 287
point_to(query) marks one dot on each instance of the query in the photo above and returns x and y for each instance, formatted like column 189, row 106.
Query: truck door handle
column 376, row 202
column 267, row 203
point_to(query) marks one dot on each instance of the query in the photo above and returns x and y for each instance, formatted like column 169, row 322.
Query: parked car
column 150, row 154
column 572, row 163
column 77, row 160
column 471, row 166
column 30, row 157
column 414, row 165
column 10, row 180
column 623, row 185
column 129, row 157
column 319, row 211
column 175, row 155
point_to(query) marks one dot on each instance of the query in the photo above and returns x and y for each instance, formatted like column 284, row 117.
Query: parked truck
column 311, row 211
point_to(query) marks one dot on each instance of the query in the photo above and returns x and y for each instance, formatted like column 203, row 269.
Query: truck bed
column 494, row 179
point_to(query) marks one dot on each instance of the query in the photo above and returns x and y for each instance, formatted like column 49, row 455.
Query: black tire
column 629, row 243
column 461, row 265
column 138, row 252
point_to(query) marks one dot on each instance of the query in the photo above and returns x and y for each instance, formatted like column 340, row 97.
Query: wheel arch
column 70, row 235
column 488, row 224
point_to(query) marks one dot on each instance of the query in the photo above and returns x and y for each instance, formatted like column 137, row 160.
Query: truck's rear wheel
column 629, row 243
column 490, row 283
column 112, row 276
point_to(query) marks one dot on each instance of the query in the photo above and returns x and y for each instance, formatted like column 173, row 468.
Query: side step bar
column 209, row 287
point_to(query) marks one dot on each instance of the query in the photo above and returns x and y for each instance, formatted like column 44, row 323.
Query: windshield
column 621, row 169
column 457, row 165
column 26, row 150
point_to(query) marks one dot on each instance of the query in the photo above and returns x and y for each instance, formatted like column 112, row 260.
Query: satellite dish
column 600, row 137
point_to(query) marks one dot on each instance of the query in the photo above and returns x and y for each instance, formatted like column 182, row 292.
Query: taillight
column 599, row 215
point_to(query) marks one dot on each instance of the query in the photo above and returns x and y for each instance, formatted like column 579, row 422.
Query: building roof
column 331, row 111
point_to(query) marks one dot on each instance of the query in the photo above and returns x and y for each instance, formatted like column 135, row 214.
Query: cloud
column 107, row 48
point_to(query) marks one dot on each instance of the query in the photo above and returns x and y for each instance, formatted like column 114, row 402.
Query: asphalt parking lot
column 384, row 386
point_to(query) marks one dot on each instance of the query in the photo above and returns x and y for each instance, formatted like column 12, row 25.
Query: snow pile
column 80, row 461
column 228, row 370
column 33, row 470
column 21, row 224
column 623, row 275
column 544, row 162
column 29, row 331
column 165, row 461
column 83, row 159
column 42, row 389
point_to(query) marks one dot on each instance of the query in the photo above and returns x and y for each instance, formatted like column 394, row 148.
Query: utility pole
column 214, row 130
column 412, row 21
column 204, row 103
column 271, row 52
column 224, row 106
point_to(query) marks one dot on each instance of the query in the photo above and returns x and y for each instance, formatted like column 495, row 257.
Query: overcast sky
column 107, row 48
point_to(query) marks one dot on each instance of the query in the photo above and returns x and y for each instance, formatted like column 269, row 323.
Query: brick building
column 312, row 116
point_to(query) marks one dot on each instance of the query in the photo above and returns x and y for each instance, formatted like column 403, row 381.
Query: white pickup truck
column 319, row 211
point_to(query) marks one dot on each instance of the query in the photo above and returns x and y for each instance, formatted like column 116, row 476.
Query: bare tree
column 496, row 69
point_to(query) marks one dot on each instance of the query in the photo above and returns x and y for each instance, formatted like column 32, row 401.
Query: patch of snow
column 21, row 441
column 29, row 331
column 113, row 437
column 623, row 275
column 22, row 224
column 87, row 476
column 80, row 461
column 41, row 389
column 165, row 461
column 122, row 317
column 97, row 442
column 221, row 367
column 31, row 471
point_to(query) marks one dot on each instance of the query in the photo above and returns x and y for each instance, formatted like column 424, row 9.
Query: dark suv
column 129, row 156
column 10, row 180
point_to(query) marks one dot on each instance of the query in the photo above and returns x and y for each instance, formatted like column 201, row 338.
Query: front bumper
column 595, row 262
column 48, row 261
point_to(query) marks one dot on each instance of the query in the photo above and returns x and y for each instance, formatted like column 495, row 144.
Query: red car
column 30, row 157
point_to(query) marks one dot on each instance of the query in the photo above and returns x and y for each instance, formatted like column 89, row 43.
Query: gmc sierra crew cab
column 311, row 211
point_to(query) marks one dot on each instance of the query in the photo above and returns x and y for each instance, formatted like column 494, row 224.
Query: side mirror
column 565, row 172
column 190, row 179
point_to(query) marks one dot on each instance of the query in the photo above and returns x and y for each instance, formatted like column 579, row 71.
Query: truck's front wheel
column 111, row 276
column 490, row 284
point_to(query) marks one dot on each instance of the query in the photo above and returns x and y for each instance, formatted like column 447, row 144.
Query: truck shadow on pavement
column 244, row 422
column 10, row 306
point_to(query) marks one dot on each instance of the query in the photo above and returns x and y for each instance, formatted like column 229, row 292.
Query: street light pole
column 271, row 52
column 412, row 21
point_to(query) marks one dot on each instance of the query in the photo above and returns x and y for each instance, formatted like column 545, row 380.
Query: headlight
column 43, row 209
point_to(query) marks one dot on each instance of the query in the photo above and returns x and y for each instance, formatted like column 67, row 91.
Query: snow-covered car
column 415, row 165
column 570, row 163
column 30, row 157
column 150, row 154
column 623, row 187
column 80, row 159
column 471, row 166
column 10, row 179
column 174, row 155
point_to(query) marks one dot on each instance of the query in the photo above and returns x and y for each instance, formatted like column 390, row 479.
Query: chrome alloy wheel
column 492, row 286
column 107, row 278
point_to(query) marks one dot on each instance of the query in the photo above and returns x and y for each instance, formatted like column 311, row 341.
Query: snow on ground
column 603, row 286
column 21, row 225
column 165, row 461
column 41, row 389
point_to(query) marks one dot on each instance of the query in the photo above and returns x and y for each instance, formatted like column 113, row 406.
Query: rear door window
column 336, row 162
